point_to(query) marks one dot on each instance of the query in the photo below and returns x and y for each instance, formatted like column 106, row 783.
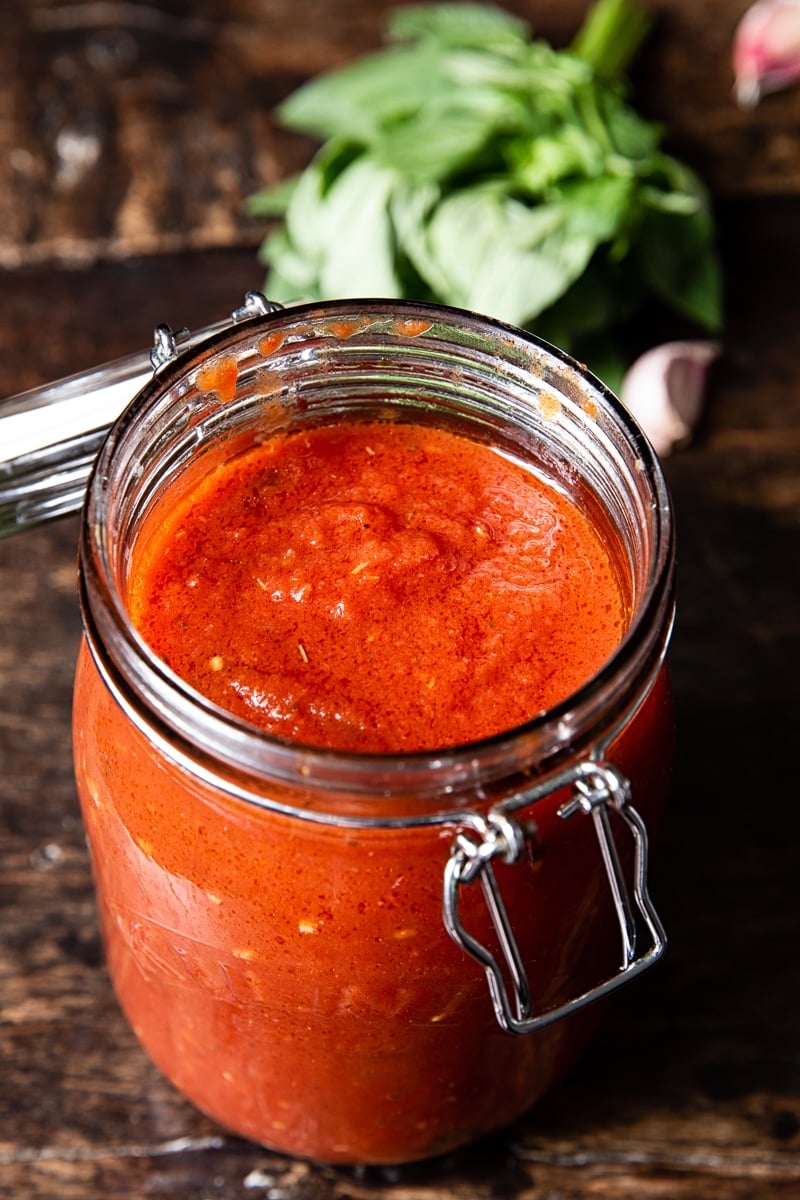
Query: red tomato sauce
column 379, row 587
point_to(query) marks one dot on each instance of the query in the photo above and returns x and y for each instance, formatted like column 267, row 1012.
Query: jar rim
column 164, row 703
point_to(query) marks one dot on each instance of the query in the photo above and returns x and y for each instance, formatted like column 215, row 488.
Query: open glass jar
column 358, row 957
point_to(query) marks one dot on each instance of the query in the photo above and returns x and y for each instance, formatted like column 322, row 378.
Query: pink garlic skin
column 766, row 50
column 664, row 390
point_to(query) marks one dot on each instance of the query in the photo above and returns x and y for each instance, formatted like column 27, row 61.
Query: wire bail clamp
column 599, row 789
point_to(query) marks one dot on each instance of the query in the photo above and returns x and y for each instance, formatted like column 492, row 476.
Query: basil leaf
column 440, row 140
column 459, row 25
column 360, row 260
column 539, row 162
column 292, row 276
column 411, row 209
column 596, row 207
column 501, row 257
column 630, row 135
column 357, row 100
column 351, row 258
column 676, row 258
column 607, row 294
column 308, row 215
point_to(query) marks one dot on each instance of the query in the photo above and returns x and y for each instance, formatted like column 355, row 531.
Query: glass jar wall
column 273, row 911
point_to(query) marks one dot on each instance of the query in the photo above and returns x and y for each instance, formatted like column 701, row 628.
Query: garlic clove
column 664, row 390
column 766, row 50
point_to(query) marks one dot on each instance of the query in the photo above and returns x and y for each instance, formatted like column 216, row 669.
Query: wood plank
column 137, row 129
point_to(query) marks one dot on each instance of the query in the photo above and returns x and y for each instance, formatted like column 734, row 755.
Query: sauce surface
column 378, row 587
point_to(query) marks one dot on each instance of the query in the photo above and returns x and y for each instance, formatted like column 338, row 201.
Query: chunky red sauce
column 376, row 586
column 379, row 587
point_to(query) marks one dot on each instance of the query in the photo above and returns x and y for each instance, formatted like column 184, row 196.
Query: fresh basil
column 468, row 163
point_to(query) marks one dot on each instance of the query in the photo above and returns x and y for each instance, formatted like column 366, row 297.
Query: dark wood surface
column 692, row 1090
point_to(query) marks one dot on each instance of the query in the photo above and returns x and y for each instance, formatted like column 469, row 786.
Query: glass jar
column 370, row 958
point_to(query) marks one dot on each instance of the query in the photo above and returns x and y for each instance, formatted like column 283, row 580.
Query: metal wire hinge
column 599, row 789
column 167, row 344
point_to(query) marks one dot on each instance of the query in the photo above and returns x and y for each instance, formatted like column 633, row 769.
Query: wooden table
column 692, row 1090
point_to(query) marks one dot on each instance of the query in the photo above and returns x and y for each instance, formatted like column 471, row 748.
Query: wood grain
column 130, row 129
column 692, row 1089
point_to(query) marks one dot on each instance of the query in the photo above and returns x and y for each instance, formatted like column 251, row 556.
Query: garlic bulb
column 665, row 388
column 766, row 50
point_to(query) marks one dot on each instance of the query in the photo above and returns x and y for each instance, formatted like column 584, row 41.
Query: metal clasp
column 598, row 789
column 167, row 344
